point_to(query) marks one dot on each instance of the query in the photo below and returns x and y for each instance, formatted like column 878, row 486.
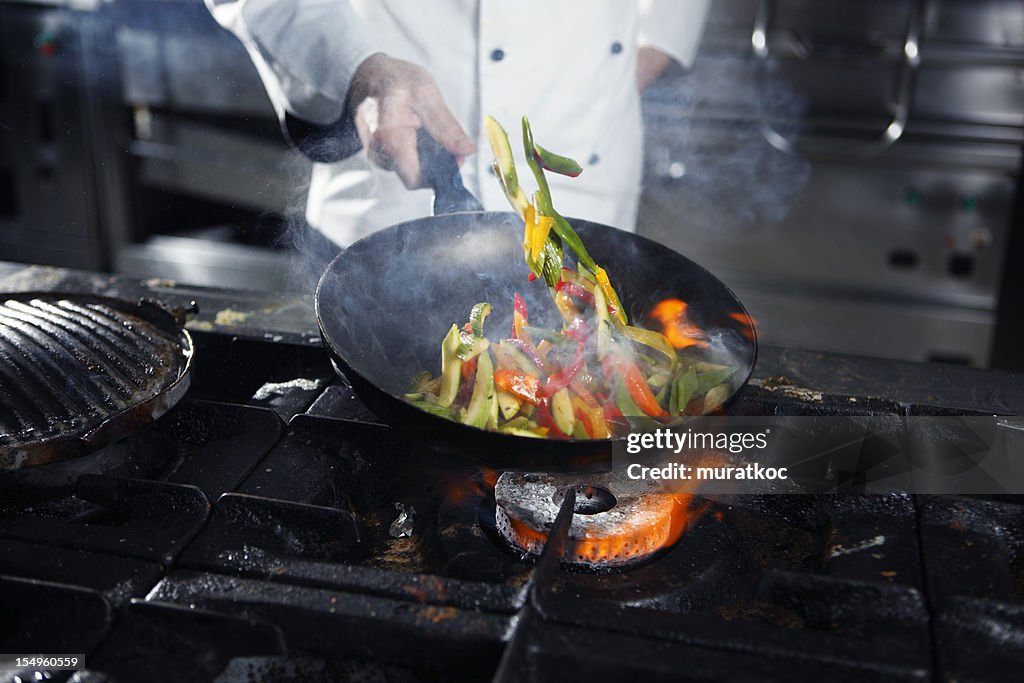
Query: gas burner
column 618, row 521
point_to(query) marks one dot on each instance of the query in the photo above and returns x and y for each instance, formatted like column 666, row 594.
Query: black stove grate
column 248, row 535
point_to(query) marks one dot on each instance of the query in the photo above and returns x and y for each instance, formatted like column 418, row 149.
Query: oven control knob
column 45, row 43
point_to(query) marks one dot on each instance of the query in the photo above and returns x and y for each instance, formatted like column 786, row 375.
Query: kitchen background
column 851, row 169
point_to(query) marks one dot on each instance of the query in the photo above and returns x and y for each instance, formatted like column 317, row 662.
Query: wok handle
column 441, row 173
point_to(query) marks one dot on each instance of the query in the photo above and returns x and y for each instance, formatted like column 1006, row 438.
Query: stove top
column 268, row 528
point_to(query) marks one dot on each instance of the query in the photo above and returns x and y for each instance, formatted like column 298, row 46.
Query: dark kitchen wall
column 137, row 136
column 49, row 129
column 857, row 196
column 853, row 181
column 1007, row 349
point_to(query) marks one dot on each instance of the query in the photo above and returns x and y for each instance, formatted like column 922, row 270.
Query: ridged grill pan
column 80, row 371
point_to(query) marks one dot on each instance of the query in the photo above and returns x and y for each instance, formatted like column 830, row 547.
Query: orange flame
column 748, row 324
column 630, row 539
column 660, row 520
column 678, row 329
column 665, row 518
column 678, row 503
column 461, row 491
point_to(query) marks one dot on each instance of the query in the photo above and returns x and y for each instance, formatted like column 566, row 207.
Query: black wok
column 385, row 303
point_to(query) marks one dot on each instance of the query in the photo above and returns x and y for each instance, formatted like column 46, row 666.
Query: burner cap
column 618, row 520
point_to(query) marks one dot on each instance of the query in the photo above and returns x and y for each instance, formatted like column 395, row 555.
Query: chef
column 576, row 69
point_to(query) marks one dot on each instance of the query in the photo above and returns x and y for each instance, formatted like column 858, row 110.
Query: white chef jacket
column 570, row 66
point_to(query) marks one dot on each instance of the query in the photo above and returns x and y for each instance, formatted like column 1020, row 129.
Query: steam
column 704, row 144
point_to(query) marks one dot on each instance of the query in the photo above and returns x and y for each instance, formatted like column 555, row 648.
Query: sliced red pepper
column 583, row 417
column 638, row 388
column 581, row 391
column 611, row 411
column 575, row 291
column 531, row 277
column 468, row 372
column 544, row 419
column 519, row 318
column 521, row 385
column 518, row 323
column 578, row 279
column 579, row 330
column 565, row 306
column 592, row 418
column 563, row 377
column 468, row 369
column 519, row 305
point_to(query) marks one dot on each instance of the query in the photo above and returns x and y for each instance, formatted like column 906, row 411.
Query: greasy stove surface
column 257, row 533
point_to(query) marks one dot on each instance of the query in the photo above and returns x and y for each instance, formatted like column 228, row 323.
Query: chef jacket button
column 616, row 47
column 497, row 55
column 593, row 159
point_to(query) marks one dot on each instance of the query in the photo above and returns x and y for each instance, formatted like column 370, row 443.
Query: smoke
column 709, row 169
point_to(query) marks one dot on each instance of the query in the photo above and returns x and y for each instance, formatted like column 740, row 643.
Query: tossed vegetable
column 590, row 378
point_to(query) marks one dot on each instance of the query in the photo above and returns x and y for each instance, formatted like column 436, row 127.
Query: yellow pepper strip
column 528, row 223
column 575, row 278
column 654, row 340
column 543, row 349
column 594, row 418
column 609, row 292
column 536, row 233
column 518, row 323
column 566, row 308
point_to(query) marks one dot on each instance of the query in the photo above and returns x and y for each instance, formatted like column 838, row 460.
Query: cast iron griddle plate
column 77, row 372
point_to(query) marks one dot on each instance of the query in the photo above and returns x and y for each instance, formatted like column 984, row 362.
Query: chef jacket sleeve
column 674, row 27
column 306, row 51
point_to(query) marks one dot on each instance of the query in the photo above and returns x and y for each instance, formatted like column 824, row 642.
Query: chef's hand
column 649, row 65
column 392, row 98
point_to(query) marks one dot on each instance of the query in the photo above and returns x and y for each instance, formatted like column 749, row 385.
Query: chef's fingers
column 405, row 97
column 396, row 150
column 393, row 144
column 440, row 122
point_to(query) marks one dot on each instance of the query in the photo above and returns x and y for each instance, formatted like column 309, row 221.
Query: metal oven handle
column 832, row 146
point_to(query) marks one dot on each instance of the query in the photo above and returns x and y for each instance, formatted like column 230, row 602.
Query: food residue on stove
column 229, row 317
column 271, row 389
column 160, row 283
column 776, row 381
column 839, row 549
column 403, row 525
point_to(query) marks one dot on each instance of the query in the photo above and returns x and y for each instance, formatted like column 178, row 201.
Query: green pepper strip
column 624, row 402
column 712, row 378
column 549, row 263
column 561, row 227
column 684, row 388
column 557, row 163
